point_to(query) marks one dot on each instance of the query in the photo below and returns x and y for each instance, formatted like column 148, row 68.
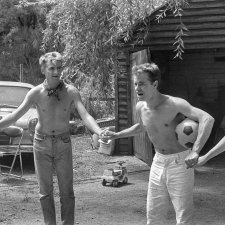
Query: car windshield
column 12, row 95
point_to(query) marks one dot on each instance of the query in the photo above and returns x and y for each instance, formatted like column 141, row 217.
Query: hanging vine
column 176, row 6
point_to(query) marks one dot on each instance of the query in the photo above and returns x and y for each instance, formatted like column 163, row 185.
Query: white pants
column 169, row 178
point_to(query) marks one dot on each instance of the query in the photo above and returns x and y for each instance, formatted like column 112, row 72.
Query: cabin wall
column 123, row 115
column 205, row 20
column 199, row 78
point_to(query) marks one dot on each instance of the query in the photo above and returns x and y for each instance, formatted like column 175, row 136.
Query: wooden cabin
column 198, row 78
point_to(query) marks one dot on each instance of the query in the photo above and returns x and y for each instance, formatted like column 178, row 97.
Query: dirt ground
column 99, row 205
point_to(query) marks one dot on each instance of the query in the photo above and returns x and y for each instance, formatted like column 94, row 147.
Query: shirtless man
column 52, row 144
column 169, row 176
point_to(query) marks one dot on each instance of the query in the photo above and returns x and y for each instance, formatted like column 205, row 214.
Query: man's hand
column 106, row 135
column 201, row 161
column 192, row 159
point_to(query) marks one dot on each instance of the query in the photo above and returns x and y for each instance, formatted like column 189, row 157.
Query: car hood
column 23, row 121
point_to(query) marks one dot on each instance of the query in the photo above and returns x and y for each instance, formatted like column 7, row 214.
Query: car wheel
column 104, row 182
column 125, row 181
column 115, row 183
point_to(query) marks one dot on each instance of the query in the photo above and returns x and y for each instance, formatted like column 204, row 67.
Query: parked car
column 11, row 96
column 115, row 176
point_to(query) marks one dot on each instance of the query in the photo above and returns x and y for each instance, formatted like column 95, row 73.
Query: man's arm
column 88, row 120
column 20, row 111
column 205, row 121
column 131, row 131
column 216, row 150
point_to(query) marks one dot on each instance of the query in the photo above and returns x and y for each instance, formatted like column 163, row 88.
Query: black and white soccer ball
column 187, row 132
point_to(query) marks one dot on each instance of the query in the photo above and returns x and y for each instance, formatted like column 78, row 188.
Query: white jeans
column 169, row 178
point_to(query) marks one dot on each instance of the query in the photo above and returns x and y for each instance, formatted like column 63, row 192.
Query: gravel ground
column 101, row 205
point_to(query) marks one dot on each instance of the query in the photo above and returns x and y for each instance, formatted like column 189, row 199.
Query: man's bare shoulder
column 73, row 92
column 33, row 95
column 71, row 89
column 180, row 105
column 168, row 99
column 139, row 106
column 35, row 90
column 176, row 100
column 38, row 87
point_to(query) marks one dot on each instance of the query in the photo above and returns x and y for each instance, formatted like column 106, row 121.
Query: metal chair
column 16, row 135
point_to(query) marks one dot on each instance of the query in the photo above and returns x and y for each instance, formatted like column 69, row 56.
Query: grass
column 89, row 164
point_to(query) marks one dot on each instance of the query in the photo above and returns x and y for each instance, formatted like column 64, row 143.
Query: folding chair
column 16, row 135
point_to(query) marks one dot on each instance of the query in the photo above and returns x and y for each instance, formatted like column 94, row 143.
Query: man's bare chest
column 157, row 119
column 52, row 105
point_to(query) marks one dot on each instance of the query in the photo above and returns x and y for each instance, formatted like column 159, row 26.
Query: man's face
column 52, row 69
column 143, row 87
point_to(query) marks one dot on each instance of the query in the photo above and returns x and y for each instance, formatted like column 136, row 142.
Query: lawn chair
column 15, row 134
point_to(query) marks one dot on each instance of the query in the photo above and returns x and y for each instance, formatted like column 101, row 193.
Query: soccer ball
column 186, row 132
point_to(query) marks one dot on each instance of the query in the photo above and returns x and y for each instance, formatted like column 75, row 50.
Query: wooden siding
column 123, row 116
column 205, row 20
column 198, row 78
column 198, row 70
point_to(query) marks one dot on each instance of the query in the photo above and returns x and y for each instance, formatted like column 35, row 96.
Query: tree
column 133, row 12
column 87, row 33
column 81, row 30
column 21, row 24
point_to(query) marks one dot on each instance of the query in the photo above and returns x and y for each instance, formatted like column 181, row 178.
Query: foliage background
column 86, row 32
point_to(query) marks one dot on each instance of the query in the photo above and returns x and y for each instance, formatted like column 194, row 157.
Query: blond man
column 52, row 143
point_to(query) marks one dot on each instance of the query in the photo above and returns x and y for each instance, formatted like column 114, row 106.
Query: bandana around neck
column 54, row 92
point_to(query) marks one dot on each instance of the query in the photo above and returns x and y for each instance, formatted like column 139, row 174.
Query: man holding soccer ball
column 169, row 174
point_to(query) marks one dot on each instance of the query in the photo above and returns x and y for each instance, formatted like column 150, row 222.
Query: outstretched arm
column 216, row 150
column 88, row 120
column 20, row 111
column 131, row 131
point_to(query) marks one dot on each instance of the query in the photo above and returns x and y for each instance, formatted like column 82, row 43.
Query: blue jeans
column 169, row 178
column 55, row 152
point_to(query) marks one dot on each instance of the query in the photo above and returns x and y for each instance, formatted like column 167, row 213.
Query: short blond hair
column 49, row 57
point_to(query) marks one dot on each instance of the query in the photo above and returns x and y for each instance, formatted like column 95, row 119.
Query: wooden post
column 21, row 72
